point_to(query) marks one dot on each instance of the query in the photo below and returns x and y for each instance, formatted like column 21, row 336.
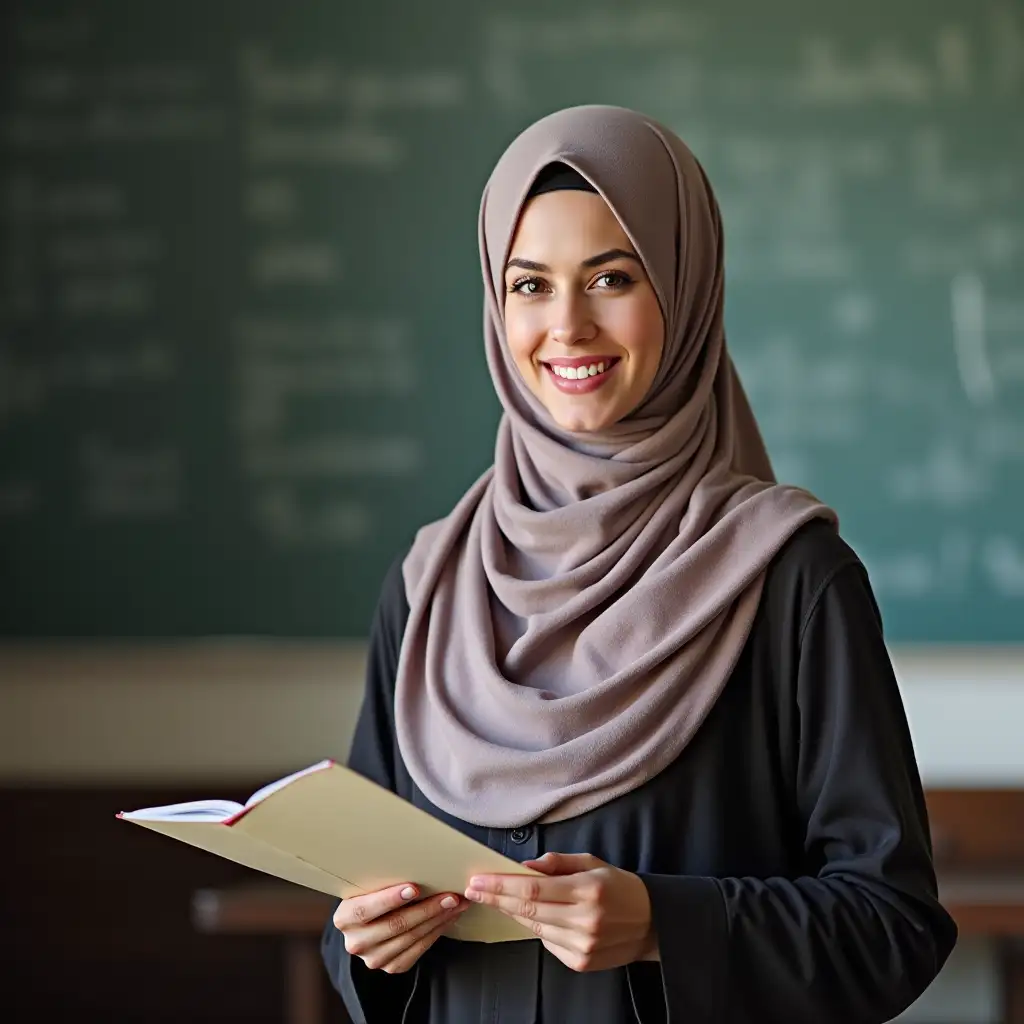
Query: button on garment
column 520, row 835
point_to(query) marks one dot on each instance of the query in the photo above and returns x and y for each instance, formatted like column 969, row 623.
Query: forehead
column 567, row 225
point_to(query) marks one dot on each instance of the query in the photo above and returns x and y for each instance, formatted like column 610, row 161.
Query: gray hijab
column 575, row 617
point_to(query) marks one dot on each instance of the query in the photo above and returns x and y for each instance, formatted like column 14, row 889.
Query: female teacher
column 631, row 659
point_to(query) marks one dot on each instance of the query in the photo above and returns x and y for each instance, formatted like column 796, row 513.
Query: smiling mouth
column 580, row 376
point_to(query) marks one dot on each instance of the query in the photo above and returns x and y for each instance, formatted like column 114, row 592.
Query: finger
column 567, row 938
column 383, row 954
column 568, row 915
column 598, row 959
column 535, row 888
column 360, row 938
column 407, row 958
column 360, row 910
column 564, row 863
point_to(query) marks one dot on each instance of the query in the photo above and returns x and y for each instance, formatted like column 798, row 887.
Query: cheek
column 523, row 336
column 641, row 331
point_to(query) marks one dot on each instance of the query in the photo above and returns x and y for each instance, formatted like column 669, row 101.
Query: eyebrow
column 590, row 263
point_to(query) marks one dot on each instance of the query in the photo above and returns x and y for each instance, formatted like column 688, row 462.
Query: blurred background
column 241, row 362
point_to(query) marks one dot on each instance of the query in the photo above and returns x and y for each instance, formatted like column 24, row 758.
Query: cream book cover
column 328, row 828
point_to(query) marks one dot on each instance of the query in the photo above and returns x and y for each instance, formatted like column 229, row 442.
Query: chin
column 581, row 423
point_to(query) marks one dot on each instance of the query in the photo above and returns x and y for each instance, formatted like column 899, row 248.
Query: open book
column 328, row 828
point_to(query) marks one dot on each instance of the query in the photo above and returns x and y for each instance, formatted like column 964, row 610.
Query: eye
column 526, row 286
column 608, row 279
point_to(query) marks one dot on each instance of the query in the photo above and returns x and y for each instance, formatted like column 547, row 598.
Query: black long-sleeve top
column 786, row 850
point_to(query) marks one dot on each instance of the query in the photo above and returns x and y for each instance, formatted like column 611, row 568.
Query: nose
column 571, row 320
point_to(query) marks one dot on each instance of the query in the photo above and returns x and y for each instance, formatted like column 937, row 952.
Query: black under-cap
column 557, row 177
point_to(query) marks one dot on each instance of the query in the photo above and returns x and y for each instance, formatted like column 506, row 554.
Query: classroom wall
column 228, row 710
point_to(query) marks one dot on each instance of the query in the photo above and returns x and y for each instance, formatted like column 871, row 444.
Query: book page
column 193, row 810
column 353, row 829
column 273, row 787
column 251, row 852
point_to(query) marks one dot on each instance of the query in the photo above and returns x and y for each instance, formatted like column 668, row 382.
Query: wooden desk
column 991, row 906
column 984, row 905
column 294, row 914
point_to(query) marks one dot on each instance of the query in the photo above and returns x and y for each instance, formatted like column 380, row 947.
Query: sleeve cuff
column 692, row 927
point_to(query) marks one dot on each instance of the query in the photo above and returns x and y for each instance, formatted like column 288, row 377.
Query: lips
column 580, row 375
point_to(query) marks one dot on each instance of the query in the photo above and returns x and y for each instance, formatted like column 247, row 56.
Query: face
column 581, row 317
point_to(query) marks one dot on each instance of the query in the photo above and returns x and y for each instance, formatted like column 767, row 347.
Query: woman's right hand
column 388, row 932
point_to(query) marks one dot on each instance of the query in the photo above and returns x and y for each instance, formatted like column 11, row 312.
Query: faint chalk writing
column 283, row 517
column 967, row 299
column 801, row 400
column 116, row 296
column 84, row 201
column 127, row 248
column 348, row 99
column 150, row 362
column 337, row 332
column 1000, row 243
column 266, row 386
column 1003, row 559
column 337, row 144
column 130, row 483
column 935, row 183
column 109, row 122
column 588, row 29
column 334, row 456
column 885, row 73
column 799, row 260
column 271, row 202
column 986, row 247
column 955, row 60
column 854, row 312
column 323, row 82
column 948, row 477
column 180, row 81
column 514, row 46
column 1007, row 60
column 298, row 262
column 906, row 574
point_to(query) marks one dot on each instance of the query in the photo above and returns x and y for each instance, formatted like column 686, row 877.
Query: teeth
column 579, row 372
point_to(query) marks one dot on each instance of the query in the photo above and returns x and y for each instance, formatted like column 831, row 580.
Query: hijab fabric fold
column 578, row 613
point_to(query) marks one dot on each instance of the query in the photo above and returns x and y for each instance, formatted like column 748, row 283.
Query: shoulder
column 392, row 605
column 393, row 601
column 804, row 569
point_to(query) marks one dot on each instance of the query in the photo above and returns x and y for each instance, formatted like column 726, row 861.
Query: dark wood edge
column 263, row 909
column 981, row 904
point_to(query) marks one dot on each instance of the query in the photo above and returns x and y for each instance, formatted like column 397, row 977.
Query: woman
column 632, row 660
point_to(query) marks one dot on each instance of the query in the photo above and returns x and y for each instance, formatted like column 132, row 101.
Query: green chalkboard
column 240, row 355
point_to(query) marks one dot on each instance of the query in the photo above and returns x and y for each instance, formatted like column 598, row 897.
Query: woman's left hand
column 590, row 915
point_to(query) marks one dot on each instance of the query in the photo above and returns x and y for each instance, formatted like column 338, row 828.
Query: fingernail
column 472, row 894
column 408, row 892
column 449, row 903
